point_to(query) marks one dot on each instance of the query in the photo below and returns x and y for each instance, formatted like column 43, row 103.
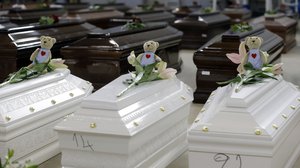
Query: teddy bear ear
column 42, row 37
column 157, row 44
column 53, row 40
column 261, row 39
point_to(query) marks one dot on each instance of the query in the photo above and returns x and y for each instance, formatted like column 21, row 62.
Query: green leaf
column 10, row 153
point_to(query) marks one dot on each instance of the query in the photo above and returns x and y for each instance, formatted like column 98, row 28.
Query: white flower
column 161, row 66
column 277, row 69
column 58, row 63
column 167, row 73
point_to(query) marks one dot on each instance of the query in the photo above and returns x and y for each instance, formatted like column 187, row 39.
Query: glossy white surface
column 256, row 127
column 30, row 109
column 145, row 127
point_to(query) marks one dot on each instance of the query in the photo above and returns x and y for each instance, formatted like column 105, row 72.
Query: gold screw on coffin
column 197, row 120
column 258, row 132
column 53, row 101
column 202, row 110
column 182, row 97
column 8, row 118
column 205, row 129
column 93, row 125
column 71, row 94
column 31, row 109
column 135, row 124
column 284, row 116
column 162, row 109
column 275, row 126
column 293, row 107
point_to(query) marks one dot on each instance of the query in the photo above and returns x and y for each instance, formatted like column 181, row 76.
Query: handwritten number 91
column 222, row 157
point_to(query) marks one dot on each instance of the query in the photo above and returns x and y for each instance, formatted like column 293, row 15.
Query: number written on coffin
column 82, row 142
column 226, row 161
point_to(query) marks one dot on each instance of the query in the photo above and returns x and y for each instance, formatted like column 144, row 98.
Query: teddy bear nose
column 253, row 41
column 148, row 45
column 45, row 41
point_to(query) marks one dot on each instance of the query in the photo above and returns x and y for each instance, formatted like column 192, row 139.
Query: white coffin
column 145, row 127
column 256, row 127
column 29, row 110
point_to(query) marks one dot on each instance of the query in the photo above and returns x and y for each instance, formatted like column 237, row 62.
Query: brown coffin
column 237, row 15
column 281, row 25
column 184, row 11
column 100, row 58
column 155, row 15
column 18, row 42
column 26, row 16
column 213, row 65
column 98, row 18
column 73, row 6
column 199, row 28
column 117, row 6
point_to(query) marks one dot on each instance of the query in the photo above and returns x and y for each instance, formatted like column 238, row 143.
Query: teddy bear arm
column 157, row 58
column 34, row 54
column 264, row 57
column 139, row 57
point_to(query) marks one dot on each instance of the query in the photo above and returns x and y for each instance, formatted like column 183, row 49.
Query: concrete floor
column 291, row 73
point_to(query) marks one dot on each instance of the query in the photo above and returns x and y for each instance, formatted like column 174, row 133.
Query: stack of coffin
column 145, row 127
column 29, row 110
column 25, row 16
column 18, row 42
column 100, row 58
column 281, row 25
column 155, row 15
column 213, row 65
column 237, row 15
column 199, row 28
column 98, row 18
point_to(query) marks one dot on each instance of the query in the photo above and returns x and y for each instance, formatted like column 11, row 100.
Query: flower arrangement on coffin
column 41, row 63
column 9, row 164
column 48, row 20
column 253, row 66
column 148, row 67
column 136, row 24
column 241, row 27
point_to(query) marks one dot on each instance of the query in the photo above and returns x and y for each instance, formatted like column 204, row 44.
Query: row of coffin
column 99, row 55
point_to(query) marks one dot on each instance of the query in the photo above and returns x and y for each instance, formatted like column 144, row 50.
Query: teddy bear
column 254, row 56
column 43, row 54
column 149, row 56
column 144, row 59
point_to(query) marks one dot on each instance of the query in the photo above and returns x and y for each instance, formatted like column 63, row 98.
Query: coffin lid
column 20, row 101
column 106, row 97
column 118, row 39
column 260, row 106
column 199, row 18
column 229, row 35
column 139, row 11
column 83, row 11
column 17, row 10
column 11, row 27
column 137, row 109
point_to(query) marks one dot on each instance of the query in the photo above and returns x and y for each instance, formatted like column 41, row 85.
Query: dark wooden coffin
column 183, row 11
column 213, row 65
column 281, row 25
column 198, row 28
column 155, row 15
column 116, row 6
column 73, row 6
column 100, row 58
column 26, row 16
column 18, row 42
column 237, row 15
column 98, row 18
